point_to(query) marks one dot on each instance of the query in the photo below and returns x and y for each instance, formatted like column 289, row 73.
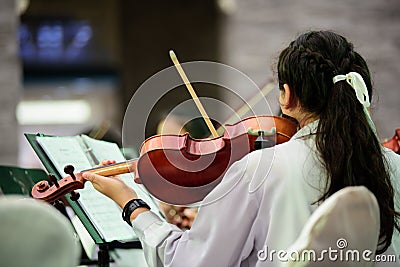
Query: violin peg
column 69, row 169
column 53, row 180
column 74, row 196
column 58, row 205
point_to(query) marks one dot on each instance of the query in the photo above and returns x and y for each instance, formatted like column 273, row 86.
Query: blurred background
column 71, row 67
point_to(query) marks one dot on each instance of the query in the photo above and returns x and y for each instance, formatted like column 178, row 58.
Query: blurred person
column 326, row 86
column 35, row 234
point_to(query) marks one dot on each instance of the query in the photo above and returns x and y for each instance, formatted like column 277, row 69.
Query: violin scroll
column 51, row 192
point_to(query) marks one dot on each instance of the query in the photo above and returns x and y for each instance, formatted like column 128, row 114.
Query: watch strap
column 131, row 206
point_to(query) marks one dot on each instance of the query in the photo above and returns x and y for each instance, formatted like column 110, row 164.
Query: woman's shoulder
column 278, row 162
column 393, row 161
column 391, row 155
column 291, row 152
column 281, row 164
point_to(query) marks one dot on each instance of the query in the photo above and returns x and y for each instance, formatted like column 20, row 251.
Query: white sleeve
column 152, row 232
column 218, row 235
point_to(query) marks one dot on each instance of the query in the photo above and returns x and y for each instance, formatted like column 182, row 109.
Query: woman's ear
column 284, row 97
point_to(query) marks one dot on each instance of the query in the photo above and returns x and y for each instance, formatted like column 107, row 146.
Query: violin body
column 181, row 170
column 394, row 142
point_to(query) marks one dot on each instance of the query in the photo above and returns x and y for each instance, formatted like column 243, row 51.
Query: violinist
column 266, row 197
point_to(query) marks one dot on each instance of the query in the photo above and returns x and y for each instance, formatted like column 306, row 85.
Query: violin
column 394, row 142
column 179, row 169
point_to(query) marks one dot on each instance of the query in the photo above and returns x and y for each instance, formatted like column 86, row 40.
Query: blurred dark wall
column 130, row 40
column 149, row 29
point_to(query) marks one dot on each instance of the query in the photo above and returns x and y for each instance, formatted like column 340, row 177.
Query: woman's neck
column 302, row 117
column 304, row 121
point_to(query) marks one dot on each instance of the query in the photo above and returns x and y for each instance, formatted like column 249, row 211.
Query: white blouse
column 262, row 203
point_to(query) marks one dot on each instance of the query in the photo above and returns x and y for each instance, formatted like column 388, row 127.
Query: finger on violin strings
column 107, row 162
column 92, row 177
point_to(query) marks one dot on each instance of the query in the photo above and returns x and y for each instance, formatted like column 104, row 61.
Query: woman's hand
column 113, row 186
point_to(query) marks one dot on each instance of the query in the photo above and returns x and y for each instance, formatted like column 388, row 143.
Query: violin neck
column 115, row 169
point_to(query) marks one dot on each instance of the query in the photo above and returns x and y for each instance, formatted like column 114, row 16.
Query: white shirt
column 264, row 200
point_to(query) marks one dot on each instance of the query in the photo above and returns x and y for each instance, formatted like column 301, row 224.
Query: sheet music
column 102, row 150
column 102, row 211
column 105, row 150
column 64, row 150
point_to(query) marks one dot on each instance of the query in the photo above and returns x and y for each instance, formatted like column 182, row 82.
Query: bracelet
column 132, row 205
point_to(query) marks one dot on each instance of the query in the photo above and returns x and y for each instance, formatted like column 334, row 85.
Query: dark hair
column 348, row 147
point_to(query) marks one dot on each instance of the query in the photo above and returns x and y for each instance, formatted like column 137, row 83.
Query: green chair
column 15, row 180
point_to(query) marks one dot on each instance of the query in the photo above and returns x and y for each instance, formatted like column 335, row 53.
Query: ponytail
column 347, row 144
column 352, row 155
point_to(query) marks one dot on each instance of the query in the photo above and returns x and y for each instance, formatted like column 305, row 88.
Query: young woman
column 266, row 198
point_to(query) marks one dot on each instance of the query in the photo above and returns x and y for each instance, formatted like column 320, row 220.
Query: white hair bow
column 356, row 81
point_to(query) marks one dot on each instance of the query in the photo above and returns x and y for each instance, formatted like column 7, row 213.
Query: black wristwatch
column 130, row 207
